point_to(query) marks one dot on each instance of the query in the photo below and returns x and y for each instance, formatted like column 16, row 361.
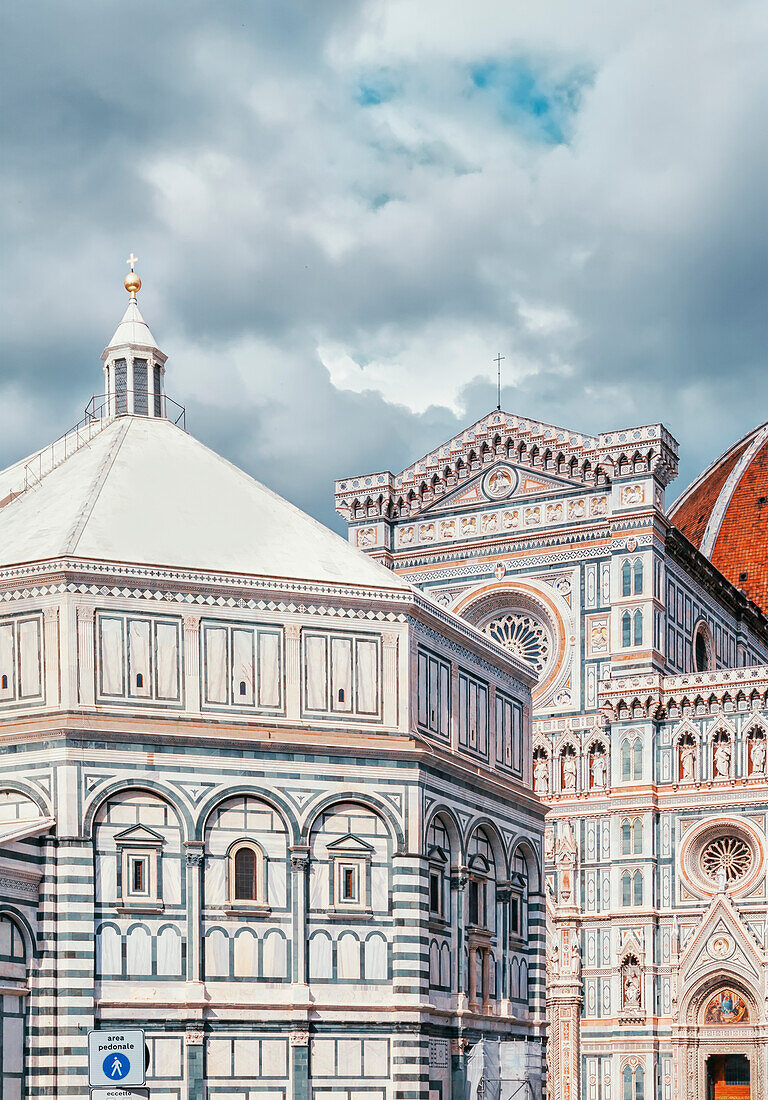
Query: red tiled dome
column 725, row 514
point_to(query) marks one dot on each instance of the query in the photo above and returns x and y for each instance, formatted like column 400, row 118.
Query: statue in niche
column 631, row 985
column 758, row 756
column 687, row 761
column 722, row 760
column 541, row 776
column 569, row 772
column 565, row 856
column 598, row 767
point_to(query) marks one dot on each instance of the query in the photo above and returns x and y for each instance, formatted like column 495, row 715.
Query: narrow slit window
column 4, row 682
column 349, row 884
column 243, row 688
column 139, row 680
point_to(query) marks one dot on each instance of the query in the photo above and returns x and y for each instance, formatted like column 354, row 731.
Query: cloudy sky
column 344, row 209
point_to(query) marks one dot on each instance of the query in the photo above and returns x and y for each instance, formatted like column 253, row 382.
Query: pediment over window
column 349, row 843
column 139, row 834
column 479, row 863
column 436, row 854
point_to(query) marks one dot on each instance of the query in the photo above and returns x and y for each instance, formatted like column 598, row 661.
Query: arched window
column 633, row 1083
column 626, row 630
column 637, row 888
column 626, row 579
column 638, row 625
column 632, row 837
column 246, row 874
column 637, row 759
column 626, row 761
column 638, row 577
column 626, row 888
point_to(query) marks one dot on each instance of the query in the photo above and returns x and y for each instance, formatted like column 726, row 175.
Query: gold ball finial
column 132, row 280
column 132, row 283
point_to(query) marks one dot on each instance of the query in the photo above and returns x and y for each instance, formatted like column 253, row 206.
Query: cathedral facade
column 259, row 796
column 644, row 624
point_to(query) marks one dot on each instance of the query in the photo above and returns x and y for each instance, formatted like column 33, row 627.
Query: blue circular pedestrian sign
column 116, row 1066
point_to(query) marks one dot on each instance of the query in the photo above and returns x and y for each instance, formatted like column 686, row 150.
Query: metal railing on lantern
column 98, row 413
column 136, row 403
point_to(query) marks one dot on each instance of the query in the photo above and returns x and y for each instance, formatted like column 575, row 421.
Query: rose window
column 523, row 636
column 729, row 854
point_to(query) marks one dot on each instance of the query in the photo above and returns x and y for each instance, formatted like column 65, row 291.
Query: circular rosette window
column 721, row 856
column 523, row 635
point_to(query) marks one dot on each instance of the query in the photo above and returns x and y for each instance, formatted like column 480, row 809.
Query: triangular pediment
column 139, row 834
column 497, row 484
column 349, row 843
column 722, row 941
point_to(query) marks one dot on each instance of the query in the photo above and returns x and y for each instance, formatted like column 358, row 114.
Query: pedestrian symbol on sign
column 116, row 1066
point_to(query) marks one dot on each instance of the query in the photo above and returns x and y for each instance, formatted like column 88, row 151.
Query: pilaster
column 293, row 671
column 389, row 679
column 85, row 653
column 192, row 686
column 51, row 655
column 299, row 866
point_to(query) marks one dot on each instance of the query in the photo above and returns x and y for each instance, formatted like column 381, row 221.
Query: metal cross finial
column 132, row 260
column 498, row 361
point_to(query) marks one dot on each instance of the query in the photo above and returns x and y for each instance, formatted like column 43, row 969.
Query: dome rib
column 724, row 513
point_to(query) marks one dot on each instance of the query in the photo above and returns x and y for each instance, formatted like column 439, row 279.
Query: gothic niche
column 631, row 987
column 686, row 759
column 540, row 772
column 721, row 755
column 568, row 770
column 756, row 752
column 598, row 767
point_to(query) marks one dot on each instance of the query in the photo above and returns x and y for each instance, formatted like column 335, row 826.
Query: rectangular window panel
column 316, row 672
column 367, row 677
column 216, row 665
column 445, row 687
column 158, row 398
column 423, row 685
column 121, row 386
column 341, row 674
column 112, row 657
column 167, row 649
column 434, row 701
column 140, row 387
column 7, row 662
column 139, row 672
column 463, row 736
column 243, row 659
column 269, row 669
column 29, row 658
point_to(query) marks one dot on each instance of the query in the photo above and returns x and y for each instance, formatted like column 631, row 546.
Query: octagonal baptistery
column 258, row 795
column 724, row 513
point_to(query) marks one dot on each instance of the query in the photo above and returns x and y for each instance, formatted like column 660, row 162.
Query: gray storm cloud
column 343, row 211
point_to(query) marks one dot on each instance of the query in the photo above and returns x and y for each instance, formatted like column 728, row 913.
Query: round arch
column 149, row 786
column 34, row 794
column 214, row 800
column 479, row 605
column 454, row 831
column 530, row 855
column 20, row 920
column 497, row 845
column 371, row 802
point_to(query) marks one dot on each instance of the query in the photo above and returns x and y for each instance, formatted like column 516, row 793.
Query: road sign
column 119, row 1094
column 116, row 1058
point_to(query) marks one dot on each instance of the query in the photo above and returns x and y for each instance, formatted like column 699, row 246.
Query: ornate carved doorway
column 721, row 1044
column 728, row 1077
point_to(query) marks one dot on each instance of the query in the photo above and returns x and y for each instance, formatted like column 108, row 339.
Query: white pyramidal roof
column 133, row 329
column 143, row 491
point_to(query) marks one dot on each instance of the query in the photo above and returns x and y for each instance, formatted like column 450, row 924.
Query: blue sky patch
column 529, row 98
